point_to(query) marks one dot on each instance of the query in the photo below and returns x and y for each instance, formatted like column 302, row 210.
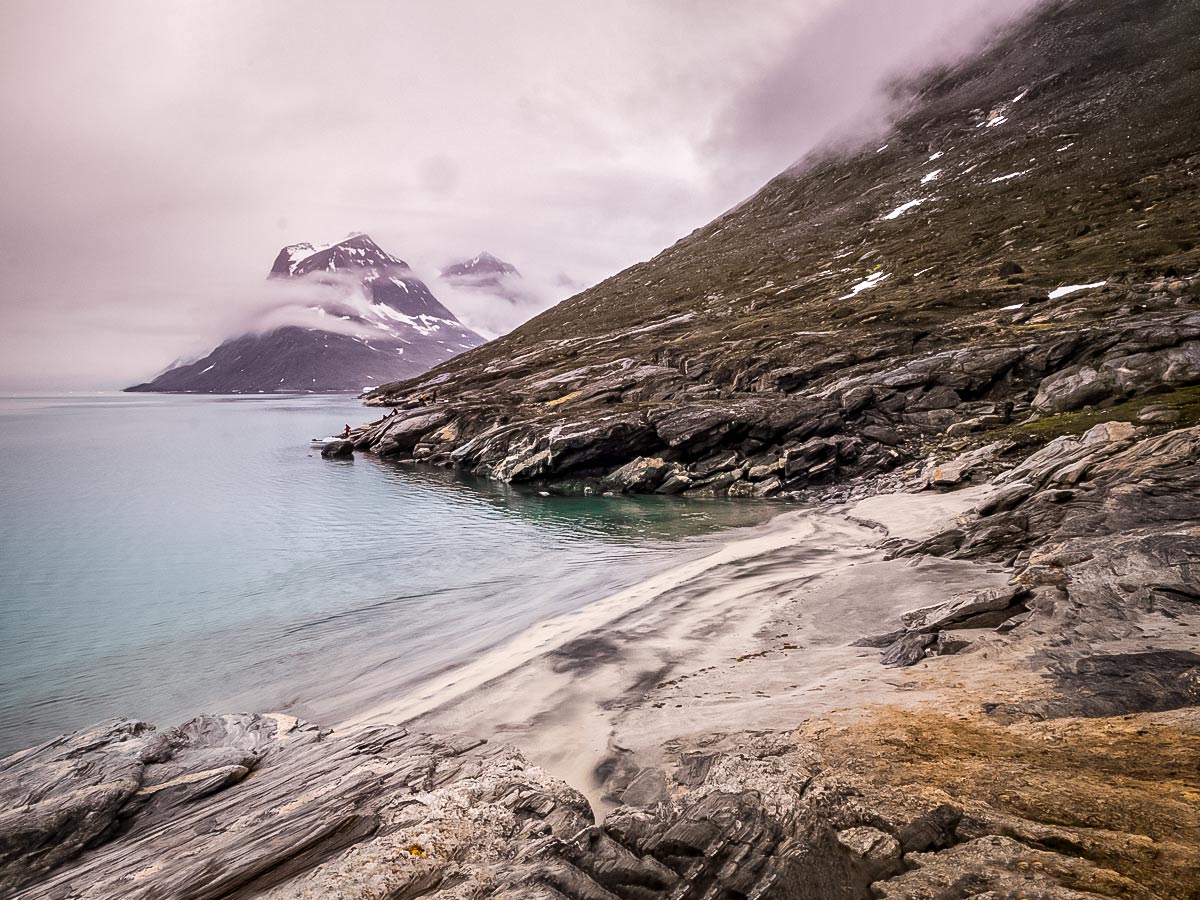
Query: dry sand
column 753, row 636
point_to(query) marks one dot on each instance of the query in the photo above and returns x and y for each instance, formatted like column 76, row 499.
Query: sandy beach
column 756, row 635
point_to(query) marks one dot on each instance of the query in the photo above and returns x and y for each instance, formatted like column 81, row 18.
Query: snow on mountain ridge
column 483, row 263
column 345, row 315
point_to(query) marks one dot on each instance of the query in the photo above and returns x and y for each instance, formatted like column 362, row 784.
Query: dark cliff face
column 385, row 323
column 1026, row 229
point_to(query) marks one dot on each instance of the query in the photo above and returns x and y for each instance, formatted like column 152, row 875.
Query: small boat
column 321, row 442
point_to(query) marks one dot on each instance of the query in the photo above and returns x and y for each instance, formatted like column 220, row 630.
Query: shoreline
column 755, row 634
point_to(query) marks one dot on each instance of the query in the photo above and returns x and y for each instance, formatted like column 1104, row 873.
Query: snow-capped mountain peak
column 481, row 265
column 356, row 250
column 365, row 318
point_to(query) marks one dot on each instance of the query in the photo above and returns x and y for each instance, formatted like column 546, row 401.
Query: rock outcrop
column 266, row 806
column 1050, row 268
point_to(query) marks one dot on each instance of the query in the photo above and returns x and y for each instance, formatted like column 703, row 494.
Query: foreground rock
column 268, row 806
column 264, row 806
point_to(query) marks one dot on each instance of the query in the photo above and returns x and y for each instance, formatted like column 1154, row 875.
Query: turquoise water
column 162, row 556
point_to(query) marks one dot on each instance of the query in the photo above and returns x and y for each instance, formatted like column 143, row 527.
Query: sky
column 156, row 155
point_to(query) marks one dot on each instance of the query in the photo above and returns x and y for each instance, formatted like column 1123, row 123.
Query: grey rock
column 642, row 475
column 1120, row 377
column 1117, row 684
column 881, row 434
column 1008, row 497
column 939, row 398
column 1067, row 460
column 800, row 460
column 338, row 450
column 880, row 640
column 765, row 470
column 956, row 471
column 647, row 788
column 400, row 434
column 1158, row 415
column 908, row 650
column 122, row 811
column 675, row 483
column 716, row 486
column 723, row 462
column 949, row 645
column 876, row 854
column 962, row 610
column 994, row 866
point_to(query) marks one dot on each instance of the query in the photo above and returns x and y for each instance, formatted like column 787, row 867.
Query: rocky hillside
column 369, row 319
column 1021, row 246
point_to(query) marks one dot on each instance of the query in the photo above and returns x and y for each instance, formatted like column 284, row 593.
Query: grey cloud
column 156, row 155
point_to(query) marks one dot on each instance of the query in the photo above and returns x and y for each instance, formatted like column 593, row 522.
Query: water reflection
column 169, row 554
column 621, row 517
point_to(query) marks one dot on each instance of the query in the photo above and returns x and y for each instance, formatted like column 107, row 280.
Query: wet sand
column 756, row 635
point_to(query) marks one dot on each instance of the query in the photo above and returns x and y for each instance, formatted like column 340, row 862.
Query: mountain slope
column 373, row 320
column 483, row 266
column 855, row 309
column 487, row 276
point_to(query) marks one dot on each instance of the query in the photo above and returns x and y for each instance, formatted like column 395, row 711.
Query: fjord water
column 162, row 556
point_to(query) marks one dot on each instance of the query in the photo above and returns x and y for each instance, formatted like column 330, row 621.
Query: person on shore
column 345, row 432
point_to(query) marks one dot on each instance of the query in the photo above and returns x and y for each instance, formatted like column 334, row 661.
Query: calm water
column 163, row 556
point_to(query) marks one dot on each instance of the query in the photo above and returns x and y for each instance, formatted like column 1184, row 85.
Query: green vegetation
column 1186, row 401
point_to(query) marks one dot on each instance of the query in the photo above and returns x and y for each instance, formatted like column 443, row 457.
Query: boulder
column 765, row 470
column 401, row 433
column 1120, row 377
column 954, row 472
column 1158, row 414
column 1072, row 389
column 939, row 397
column 875, row 854
column 881, row 434
column 338, row 450
column 675, row 483
column 1008, row 497
column 642, row 476
column 802, row 459
column 908, row 650
column 722, row 462
column 1068, row 459
column 961, row 609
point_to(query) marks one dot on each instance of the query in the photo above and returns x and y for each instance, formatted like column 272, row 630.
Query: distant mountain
column 487, row 274
column 483, row 265
column 373, row 321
